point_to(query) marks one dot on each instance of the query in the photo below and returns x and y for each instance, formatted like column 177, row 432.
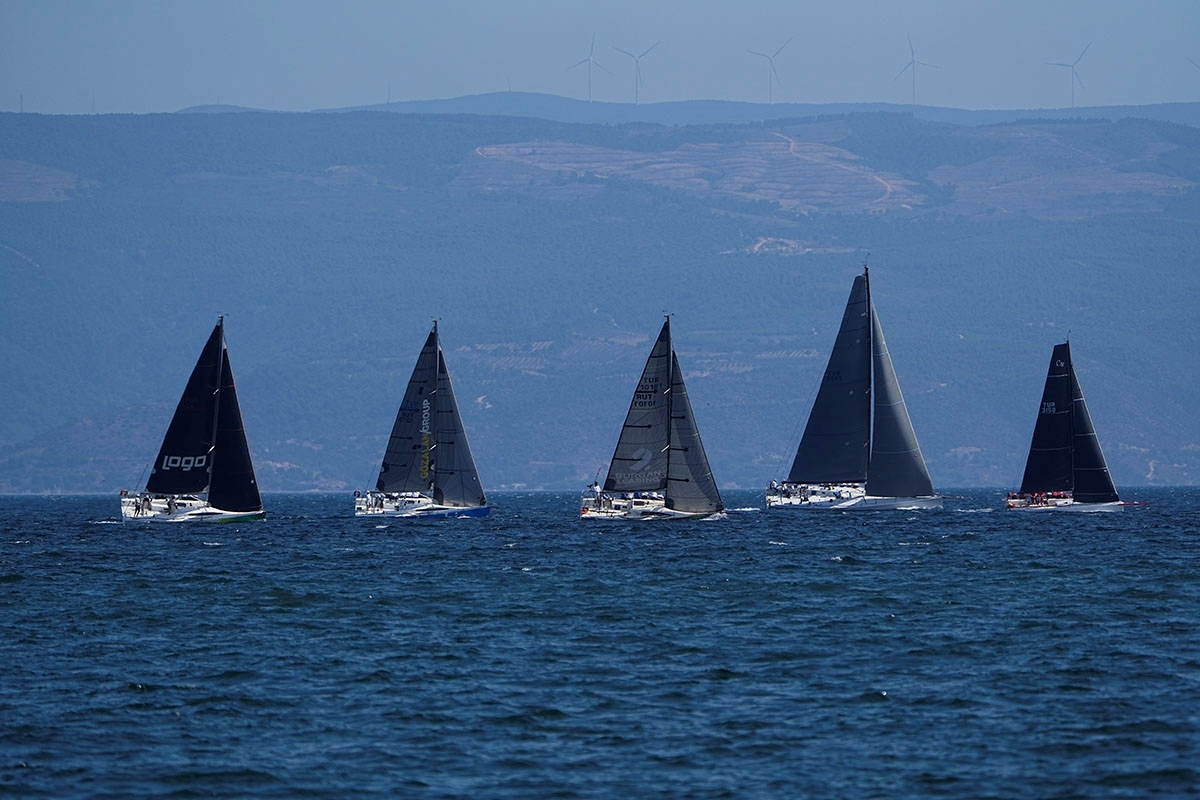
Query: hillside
column 549, row 251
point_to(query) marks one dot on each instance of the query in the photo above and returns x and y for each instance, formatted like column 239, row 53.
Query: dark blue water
column 964, row 653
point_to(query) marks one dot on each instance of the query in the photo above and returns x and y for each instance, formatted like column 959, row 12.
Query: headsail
column 1092, row 482
column 455, row 479
column 690, row 483
column 639, row 463
column 233, row 486
column 897, row 467
column 835, row 447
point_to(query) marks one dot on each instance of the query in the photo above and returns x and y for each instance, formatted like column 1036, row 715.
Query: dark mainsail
column 1065, row 454
column 205, row 448
column 427, row 451
column 835, row 447
column 184, row 462
column 639, row 463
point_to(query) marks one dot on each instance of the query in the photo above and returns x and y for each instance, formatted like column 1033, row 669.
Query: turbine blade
column 756, row 53
column 785, row 44
column 926, row 64
column 648, row 49
column 1079, row 79
column 592, row 49
column 901, row 72
column 578, row 63
column 911, row 52
column 626, row 52
column 1193, row 63
column 1089, row 44
column 598, row 64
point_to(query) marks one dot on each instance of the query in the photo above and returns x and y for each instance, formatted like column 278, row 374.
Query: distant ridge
column 217, row 108
column 708, row 112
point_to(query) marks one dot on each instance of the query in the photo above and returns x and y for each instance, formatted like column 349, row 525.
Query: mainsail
column 835, row 447
column 427, row 451
column 1065, row 454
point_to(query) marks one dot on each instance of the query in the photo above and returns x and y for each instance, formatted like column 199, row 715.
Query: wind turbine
column 637, row 70
column 1074, row 72
column 772, row 75
column 913, row 63
column 589, row 61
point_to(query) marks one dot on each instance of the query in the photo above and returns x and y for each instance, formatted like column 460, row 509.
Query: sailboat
column 203, row 470
column 427, row 469
column 859, row 451
column 1066, row 470
column 659, row 469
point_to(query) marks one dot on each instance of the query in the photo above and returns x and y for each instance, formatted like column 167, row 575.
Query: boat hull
column 412, row 505
column 183, row 509
column 604, row 507
column 1067, row 504
column 846, row 497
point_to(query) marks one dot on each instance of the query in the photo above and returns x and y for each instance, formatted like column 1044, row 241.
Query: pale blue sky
column 73, row 56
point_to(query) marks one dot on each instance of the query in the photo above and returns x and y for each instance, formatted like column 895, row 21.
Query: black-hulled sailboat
column 859, row 451
column 203, row 470
column 1066, row 470
column 659, row 469
column 427, row 469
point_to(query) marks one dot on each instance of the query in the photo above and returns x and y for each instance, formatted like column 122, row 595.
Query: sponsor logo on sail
column 184, row 463
column 425, row 438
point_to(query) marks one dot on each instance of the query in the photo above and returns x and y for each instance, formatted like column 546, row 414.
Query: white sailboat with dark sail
column 1065, row 470
column 859, row 451
column 427, row 468
column 659, row 469
column 203, row 469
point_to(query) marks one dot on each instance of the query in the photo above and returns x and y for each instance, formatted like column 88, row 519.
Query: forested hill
column 550, row 250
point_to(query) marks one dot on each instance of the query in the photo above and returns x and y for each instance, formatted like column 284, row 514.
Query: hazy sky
column 76, row 56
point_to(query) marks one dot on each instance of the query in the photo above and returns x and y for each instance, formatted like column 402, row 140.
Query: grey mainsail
column 835, row 447
column 639, row 463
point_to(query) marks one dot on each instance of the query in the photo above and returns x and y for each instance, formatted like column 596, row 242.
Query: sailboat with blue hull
column 1066, row 469
column 203, row 469
column 427, row 470
column 859, row 451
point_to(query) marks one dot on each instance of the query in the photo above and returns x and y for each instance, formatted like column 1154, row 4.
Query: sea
column 966, row 653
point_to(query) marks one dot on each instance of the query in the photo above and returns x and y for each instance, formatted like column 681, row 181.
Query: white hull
column 651, row 506
column 1061, row 504
column 411, row 504
column 844, row 497
column 184, row 508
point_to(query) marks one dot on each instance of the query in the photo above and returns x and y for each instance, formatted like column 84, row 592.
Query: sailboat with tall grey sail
column 203, row 469
column 427, row 469
column 859, row 451
column 659, row 469
column 1066, row 469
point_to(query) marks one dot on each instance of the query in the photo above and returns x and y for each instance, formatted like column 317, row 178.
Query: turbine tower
column 589, row 61
column 913, row 63
column 637, row 70
column 1074, row 72
column 772, row 74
